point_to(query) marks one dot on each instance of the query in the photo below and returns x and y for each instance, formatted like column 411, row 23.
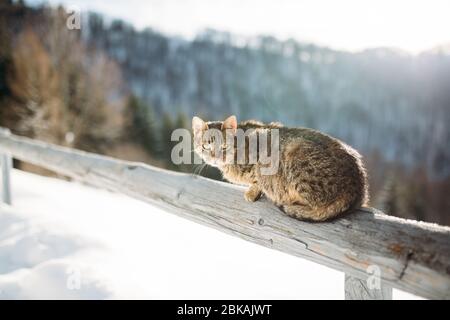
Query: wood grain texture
column 412, row 256
column 358, row 289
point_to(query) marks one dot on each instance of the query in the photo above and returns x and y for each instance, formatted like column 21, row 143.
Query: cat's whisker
column 195, row 169
column 201, row 168
column 198, row 169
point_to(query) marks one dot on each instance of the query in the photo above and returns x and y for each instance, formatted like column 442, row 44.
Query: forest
column 115, row 90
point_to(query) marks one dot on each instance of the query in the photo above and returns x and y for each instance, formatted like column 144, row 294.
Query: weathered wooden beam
column 412, row 256
column 360, row 289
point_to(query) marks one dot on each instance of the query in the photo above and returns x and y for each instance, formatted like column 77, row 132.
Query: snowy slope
column 69, row 241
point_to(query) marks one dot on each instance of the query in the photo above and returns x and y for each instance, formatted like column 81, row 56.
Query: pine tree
column 5, row 62
column 167, row 127
column 142, row 127
column 388, row 197
column 181, row 122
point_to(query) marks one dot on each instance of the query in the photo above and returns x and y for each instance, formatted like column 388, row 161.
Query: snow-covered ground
column 65, row 240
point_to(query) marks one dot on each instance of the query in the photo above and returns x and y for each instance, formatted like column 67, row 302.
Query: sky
column 409, row 25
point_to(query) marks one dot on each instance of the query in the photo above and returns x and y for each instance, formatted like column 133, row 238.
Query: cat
column 318, row 178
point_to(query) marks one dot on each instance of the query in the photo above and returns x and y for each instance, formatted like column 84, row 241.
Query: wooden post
column 6, row 164
column 359, row 289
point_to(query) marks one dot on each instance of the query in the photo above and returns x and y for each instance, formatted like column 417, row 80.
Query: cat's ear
column 198, row 125
column 230, row 123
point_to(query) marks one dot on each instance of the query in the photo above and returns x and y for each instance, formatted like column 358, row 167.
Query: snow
column 65, row 240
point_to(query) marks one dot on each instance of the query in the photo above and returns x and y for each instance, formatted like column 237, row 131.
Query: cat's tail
column 322, row 213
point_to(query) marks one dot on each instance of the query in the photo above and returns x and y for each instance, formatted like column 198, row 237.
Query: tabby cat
column 318, row 178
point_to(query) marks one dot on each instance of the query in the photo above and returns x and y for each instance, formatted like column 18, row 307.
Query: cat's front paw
column 252, row 194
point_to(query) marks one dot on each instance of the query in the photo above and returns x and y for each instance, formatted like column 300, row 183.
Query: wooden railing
column 367, row 245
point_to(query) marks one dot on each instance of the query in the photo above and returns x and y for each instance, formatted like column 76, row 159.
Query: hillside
column 379, row 100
